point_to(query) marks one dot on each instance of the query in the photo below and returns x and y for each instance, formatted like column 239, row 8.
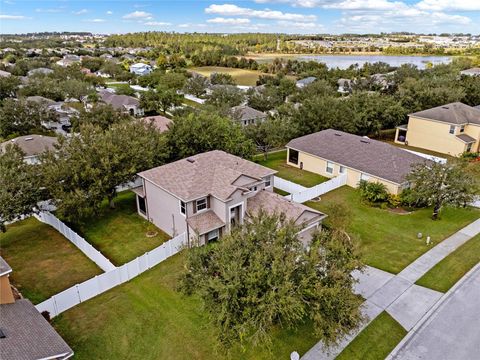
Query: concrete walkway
column 451, row 328
column 397, row 294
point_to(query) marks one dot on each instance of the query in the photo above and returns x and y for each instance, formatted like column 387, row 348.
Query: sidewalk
column 397, row 294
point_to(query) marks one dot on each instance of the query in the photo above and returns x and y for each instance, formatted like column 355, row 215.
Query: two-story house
column 448, row 129
column 207, row 194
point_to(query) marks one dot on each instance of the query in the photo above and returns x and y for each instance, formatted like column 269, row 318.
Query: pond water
column 344, row 61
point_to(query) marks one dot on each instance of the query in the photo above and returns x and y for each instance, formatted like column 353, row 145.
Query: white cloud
column 95, row 20
column 80, row 12
column 157, row 23
column 234, row 10
column 52, row 10
column 289, row 25
column 442, row 5
column 12, row 17
column 109, row 12
column 230, row 21
column 377, row 5
column 138, row 15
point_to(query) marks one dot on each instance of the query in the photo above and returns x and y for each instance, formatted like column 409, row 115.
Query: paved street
column 452, row 330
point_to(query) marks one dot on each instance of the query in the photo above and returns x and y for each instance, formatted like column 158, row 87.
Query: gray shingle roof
column 28, row 335
column 118, row 101
column 466, row 138
column 210, row 173
column 205, row 222
column 245, row 112
column 454, row 113
column 32, row 145
column 369, row 156
column 307, row 80
column 160, row 122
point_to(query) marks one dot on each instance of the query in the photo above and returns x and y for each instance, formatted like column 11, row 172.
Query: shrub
column 470, row 155
column 394, row 200
column 408, row 199
column 373, row 192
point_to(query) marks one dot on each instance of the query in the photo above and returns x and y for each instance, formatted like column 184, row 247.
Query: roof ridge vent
column 364, row 141
column 337, row 134
column 191, row 160
column 445, row 107
column 28, row 138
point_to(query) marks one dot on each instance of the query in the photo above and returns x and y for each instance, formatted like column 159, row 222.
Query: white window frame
column 332, row 167
column 452, row 129
column 364, row 177
column 268, row 181
column 217, row 234
column 184, row 207
column 206, row 204
column 342, row 170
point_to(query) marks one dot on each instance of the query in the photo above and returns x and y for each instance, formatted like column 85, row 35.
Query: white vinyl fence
column 92, row 253
column 315, row 191
column 429, row 157
column 287, row 186
column 99, row 284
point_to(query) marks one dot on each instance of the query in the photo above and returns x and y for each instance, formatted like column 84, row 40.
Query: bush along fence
column 92, row 253
column 101, row 283
column 301, row 194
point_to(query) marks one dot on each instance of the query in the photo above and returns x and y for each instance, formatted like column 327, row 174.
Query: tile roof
column 159, row 121
column 369, row 156
column 245, row 112
column 210, row 173
column 205, row 222
column 466, row 138
column 28, row 335
column 271, row 203
column 32, row 145
column 454, row 113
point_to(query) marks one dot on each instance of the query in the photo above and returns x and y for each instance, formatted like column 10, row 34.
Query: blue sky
column 286, row 16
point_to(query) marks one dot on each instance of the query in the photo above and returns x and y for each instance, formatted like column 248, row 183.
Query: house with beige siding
column 207, row 194
column 451, row 129
column 332, row 153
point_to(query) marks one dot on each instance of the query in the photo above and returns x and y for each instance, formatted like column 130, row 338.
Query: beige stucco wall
column 6, row 295
column 317, row 165
column 435, row 136
column 474, row 131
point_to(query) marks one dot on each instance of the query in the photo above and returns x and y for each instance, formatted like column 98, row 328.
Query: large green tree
column 101, row 115
column 226, row 96
column 261, row 277
column 8, row 86
column 438, row 184
column 19, row 186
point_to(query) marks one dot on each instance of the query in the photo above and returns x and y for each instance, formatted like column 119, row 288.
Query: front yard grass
column 452, row 268
column 376, row 341
column 120, row 234
column 43, row 261
column 388, row 240
column 147, row 318
column 277, row 161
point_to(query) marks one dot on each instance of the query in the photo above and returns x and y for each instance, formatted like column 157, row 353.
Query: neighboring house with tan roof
column 247, row 115
column 160, row 122
column 24, row 332
column 206, row 194
column 448, row 129
column 32, row 146
column 123, row 103
column 332, row 153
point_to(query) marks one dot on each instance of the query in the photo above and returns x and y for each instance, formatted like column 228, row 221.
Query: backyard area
column 388, row 240
column 241, row 76
column 277, row 161
column 43, row 261
column 451, row 269
column 121, row 234
column 147, row 318
column 376, row 341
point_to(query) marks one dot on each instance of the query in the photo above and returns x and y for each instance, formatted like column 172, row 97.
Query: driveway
column 452, row 331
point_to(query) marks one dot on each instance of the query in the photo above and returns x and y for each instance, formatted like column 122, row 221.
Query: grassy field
column 120, row 234
column 451, row 269
column 43, row 261
column 277, row 161
column 388, row 240
column 147, row 318
column 376, row 341
column 241, row 76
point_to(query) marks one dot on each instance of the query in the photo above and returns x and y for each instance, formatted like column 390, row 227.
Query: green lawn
column 280, row 192
column 120, row 234
column 388, row 240
column 376, row 341
column 277, row 161
column 147, row 318
column 451, row 269
column 43, row 261
column 241, row 76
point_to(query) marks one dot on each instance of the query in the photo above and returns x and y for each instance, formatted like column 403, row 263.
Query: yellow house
column 332, row 153
column 449, row 129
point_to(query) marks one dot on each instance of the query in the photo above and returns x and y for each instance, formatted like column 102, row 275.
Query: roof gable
column 455, row 113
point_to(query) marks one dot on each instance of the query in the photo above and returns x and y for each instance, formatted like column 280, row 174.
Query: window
column 452, row 129
column 469, row 147
column 253, row 188
column 293, row 156
column 364, row 177
column 213, row 235
column 201, row 204
column 329, row 167
column 462, row 128
column 342, row 170
column 183, row 207
column 268, row 181
column 142, row 206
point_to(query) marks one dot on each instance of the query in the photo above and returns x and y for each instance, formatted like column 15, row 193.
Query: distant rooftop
column 32, row 145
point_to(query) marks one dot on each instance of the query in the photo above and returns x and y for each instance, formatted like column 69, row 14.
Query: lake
column 344, row 61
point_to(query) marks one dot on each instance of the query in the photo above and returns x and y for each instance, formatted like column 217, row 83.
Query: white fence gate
column 92, row 253
column 99, row 284
column 287, row 186
column 320, row 189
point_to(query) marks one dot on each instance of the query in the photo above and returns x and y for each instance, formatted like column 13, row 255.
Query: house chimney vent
column 191, row 160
